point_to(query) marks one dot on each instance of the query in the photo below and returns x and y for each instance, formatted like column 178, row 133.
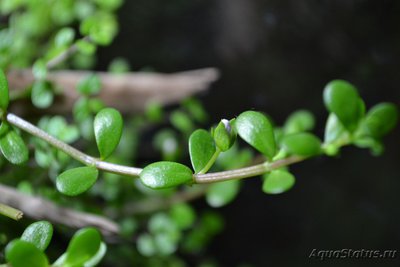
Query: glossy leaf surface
column 76, row 181
column 39, row 234
column 201, row 149
column 257, row 130
column 13, row 148
column 165, row 174
column 108, row 126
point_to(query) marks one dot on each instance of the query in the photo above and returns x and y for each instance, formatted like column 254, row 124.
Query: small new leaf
column 303, row 144
column 201, row 149
column 4, row 95
column 224, row 135
column 108, row 126
column 39, row 234
column 278, row 181
column 20, row 253
column 13, row 147
column 76, row 181
column 166, row 174
column 254, row 128
column 341, row 98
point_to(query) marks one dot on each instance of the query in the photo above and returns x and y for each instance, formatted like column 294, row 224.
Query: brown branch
column 41, row 209
column 129, row 92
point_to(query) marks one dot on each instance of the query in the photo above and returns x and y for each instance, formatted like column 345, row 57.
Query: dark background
column 276, row 56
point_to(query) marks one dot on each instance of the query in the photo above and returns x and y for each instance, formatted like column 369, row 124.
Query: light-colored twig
column 41, row 209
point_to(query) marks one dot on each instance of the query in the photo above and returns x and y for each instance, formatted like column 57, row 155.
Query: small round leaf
column 84, row 246
column 201, row 149
column 165, row 174
column 4, row 95
column 42, row 95
column 39, row 234
column 304, row 144
column 108, row 126
column 299, row 121
column 341, row 98
column 277, row 182
column 334, row 130
column 183, row 215
column 222, row 193
column 76, row 181
column 257, row 130
column 89, row 85
column 381, row 119
column 13, row 148
column 21, row 253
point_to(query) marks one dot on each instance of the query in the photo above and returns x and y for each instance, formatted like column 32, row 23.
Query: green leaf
column 22, row 254
column 277, row 182
column 195, row 109
column 334, row 130
column 39, row 70
column 304, row 144
column 183, row 215
column 42, row 94
column 224, row 135
column 221, row 193
column 76, row 181
column 64, row 37
column 201, row 149
column 84, row 245
column 90, row 85
column 39, row 234
column 341, row 98
column 154, row 112
column 4, row 95
column 13, row 148
column 181, row 121
column 165, row 174
column 299, row 121
column 86, row 47
column 146, row 245
column 108, row 126
column 257, row 130
column 381, row 119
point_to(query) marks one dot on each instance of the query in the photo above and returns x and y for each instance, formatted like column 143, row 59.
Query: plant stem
column 10, row 212
column 210, row 162
column 64, row 55
column 135, row 172
column 69, row 150
column 246, row 172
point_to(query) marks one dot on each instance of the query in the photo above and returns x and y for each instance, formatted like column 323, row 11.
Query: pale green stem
column 10, row 212
column 210, row 162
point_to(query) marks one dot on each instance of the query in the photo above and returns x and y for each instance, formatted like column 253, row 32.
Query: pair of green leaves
column 85, row 248
column 342, row 99
column 108, row 126
column 28, row 250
